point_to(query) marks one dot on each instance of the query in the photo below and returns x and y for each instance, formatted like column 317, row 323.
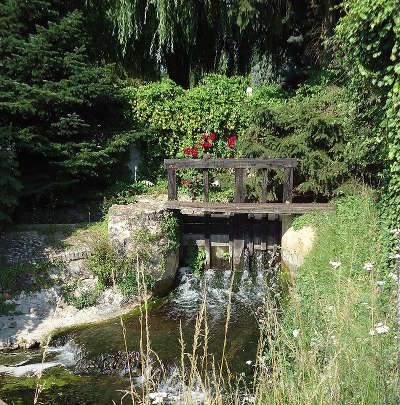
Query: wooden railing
column 240, row 166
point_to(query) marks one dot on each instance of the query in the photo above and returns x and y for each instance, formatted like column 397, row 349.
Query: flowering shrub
column 211, row 147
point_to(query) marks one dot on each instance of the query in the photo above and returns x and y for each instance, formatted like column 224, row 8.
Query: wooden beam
column 288, row 185
column 264, row 185
column 172, row 189
column 230, row 163
column 205, row 184
column 240, row 190
column 247, row 208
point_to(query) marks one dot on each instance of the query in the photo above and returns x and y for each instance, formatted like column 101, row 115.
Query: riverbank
column 46, row 284
column 42, row 313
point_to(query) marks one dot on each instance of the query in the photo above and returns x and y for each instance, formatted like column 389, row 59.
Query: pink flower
column 206, row 145
column 194, row 152
column 212, row 136
column 187, row 151
column 204, row 137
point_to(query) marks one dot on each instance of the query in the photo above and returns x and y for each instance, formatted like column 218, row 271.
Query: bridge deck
column 248, row 208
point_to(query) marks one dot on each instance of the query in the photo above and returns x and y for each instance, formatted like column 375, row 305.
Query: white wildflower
column 249, row 91
column 249, row 399
column 396, row 231
column 248, row 362
column 393, row 277
column 334, row 264
column 367, row 266
column 380, row 282
column 147, row 183
column 215, row 183
column 381, row 328
column 330, row 308
column 295, row 333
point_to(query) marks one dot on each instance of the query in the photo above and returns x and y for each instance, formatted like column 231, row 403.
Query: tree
column 64, row 112
column 190, row 38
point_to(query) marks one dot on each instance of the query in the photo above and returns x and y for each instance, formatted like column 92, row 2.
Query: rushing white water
column 65, row 355
column 248, row 287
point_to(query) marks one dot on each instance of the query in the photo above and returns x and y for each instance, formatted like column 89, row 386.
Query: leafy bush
column 368, row 41
column 195, row 257
column 83, row 299
column 112, row 268
column 316, row 124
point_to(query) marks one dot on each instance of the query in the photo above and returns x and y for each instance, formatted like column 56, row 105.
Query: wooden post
column 264, row 185
column 239, row 185
column 288, row 185
column 250, row 229
column 207, row 242
column 172, row 190
column 205, row 184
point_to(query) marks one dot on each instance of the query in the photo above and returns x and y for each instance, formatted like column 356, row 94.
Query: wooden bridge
column 244, row 224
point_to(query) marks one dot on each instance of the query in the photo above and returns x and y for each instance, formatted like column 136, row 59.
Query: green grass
column 334, row 359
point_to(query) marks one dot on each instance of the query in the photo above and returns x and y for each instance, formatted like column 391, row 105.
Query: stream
column 88, row 364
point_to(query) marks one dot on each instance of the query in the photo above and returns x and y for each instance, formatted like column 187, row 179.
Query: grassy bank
column 336, row 342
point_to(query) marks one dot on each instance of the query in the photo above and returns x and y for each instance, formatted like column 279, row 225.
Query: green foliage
column 316, row 124
column 195, row 257
column 181, row 116
column 82, row 299
column 65, row 114
column 116, row 269
column 27, row 277
column 368, row 36
column 10, row 186
column 334, row 357
column 170, row 231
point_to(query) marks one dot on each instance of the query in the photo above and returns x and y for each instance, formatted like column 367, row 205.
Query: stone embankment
column 38, row 313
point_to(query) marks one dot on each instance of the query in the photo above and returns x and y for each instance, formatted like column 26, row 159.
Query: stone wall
column 136, row 230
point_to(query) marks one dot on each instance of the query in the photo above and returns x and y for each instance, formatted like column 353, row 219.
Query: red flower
column 204, row 137
column 212, row 136
column 206, row 145
column 231, row 141
column 194, row 152
column 187, row 151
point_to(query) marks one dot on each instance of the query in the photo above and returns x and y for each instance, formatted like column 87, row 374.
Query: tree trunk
column 178, row 67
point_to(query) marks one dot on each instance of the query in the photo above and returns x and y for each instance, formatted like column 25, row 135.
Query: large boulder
column 295, row 246
column 137, row 229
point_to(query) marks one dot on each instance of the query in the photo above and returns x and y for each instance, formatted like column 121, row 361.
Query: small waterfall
column 250, row 283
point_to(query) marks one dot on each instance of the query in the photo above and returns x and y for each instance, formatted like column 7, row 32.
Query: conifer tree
column 62, row 112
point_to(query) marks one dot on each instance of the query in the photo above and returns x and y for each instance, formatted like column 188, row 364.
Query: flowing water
column 88, row 364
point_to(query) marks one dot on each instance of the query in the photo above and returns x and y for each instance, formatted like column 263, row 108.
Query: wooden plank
column 230, row 163
column 264, row 185
column 288, row 185
column 205, row 184
column 172, row 189
column 240, row 190
column 244, row 208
